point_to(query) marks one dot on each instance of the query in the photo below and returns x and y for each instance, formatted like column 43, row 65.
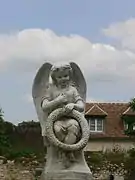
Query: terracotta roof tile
column 129, row 111
column 95, row 110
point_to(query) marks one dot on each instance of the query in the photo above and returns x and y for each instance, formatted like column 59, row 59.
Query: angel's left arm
column 79, row 103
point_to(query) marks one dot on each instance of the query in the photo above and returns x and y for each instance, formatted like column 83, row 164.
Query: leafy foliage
column 130, row 119
column 132, row 104
column 6, row 128
column 1, row 114
column 115, row 160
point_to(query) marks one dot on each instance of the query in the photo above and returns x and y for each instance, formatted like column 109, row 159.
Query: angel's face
column 62, row 77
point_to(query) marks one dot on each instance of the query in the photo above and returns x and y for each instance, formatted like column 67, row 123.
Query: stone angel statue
column 59, row 94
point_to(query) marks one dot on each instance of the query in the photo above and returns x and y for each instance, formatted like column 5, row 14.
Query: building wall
column 103, row 145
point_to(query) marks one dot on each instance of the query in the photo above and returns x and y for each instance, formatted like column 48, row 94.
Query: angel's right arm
column 49, row 106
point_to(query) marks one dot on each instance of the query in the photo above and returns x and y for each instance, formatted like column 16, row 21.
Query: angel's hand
column 69, row 107
column 62, row 98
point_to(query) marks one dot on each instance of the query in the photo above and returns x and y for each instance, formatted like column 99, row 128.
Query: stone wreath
column 57, row 114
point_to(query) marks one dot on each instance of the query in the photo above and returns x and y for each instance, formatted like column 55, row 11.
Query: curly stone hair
column 61, row 67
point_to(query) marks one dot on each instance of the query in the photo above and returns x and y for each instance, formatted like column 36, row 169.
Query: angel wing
column 39, row 89
column 79, row 80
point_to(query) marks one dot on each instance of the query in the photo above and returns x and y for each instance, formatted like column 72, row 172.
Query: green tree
column 132, row 104
column 5, row 129
column 130, row 159
column 2, row 128
column 129, row 119
column 1, row 115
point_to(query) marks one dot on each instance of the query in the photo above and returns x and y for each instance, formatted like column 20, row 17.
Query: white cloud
column 101, row 63
column 30, row 48
column 124, row 32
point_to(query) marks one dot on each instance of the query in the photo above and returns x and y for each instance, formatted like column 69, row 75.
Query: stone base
column 63, row 165
column 66, row 175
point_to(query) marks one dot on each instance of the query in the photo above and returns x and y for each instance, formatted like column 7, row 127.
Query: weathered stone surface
column 59, row 94
column 67, row 175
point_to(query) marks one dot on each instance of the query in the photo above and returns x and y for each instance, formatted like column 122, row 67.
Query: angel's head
column 61, row 74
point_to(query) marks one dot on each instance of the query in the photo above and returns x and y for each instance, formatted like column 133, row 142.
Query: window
column 127, row 127
column 95, row 124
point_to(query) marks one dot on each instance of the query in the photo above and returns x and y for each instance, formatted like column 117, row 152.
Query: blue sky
column 64, row 17
column 85, row 18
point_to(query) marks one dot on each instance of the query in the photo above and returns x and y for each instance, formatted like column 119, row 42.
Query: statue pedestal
column 67, row 175
column 60, row 167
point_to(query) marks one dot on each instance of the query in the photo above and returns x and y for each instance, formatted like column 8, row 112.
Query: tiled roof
column 129, row 111
column 113, row 124
column 96, row 110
